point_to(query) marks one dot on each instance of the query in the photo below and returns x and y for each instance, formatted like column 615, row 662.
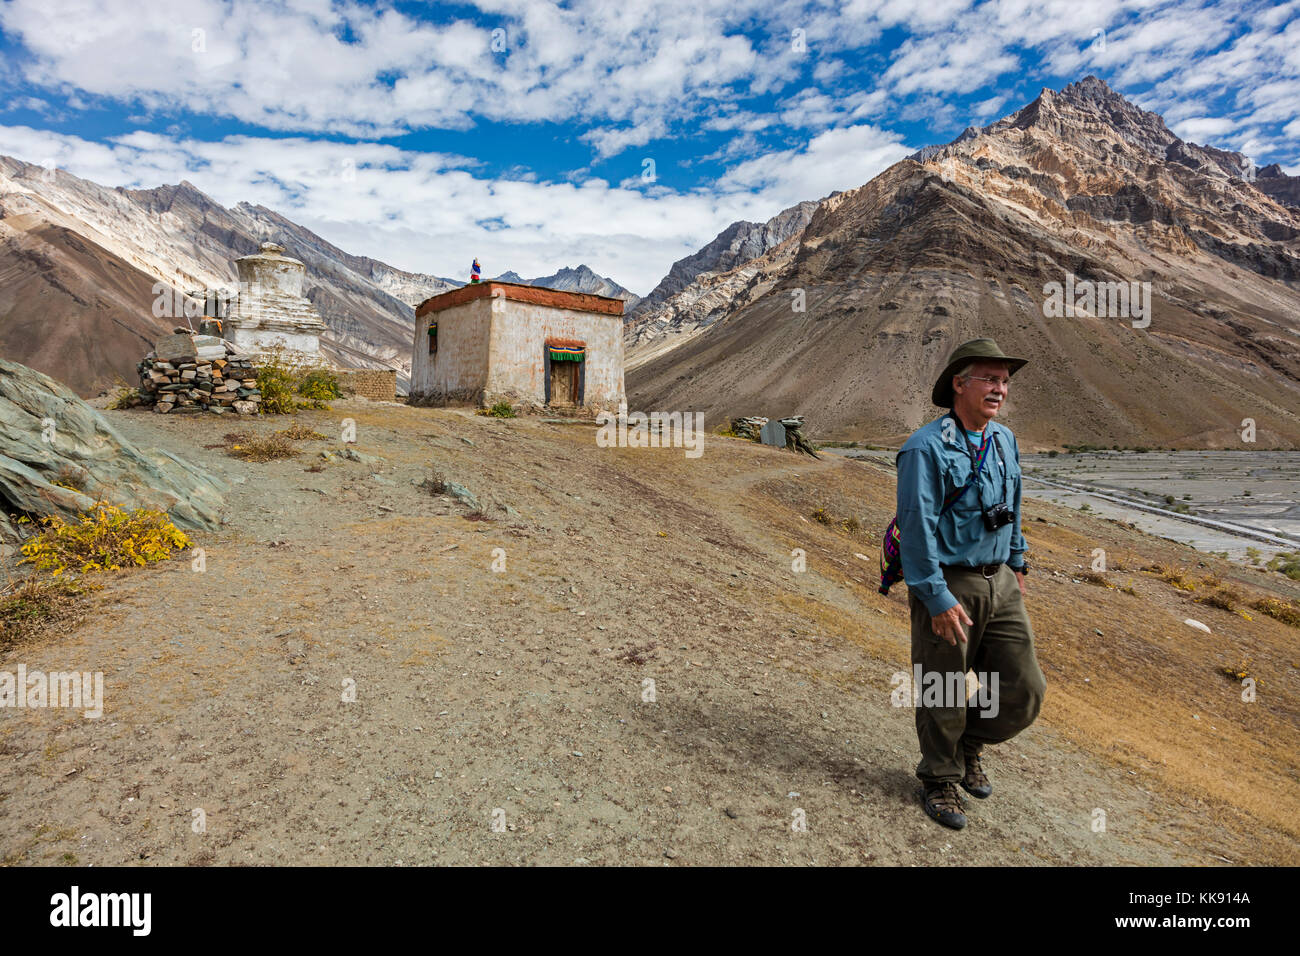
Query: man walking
column 963, row 559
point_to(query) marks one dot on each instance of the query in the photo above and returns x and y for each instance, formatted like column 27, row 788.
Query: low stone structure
column 502, row 341
column 376, row 384
column 198, row 373
column 781, row 432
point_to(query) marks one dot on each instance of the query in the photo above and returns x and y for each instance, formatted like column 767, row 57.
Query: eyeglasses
column 1004, row 382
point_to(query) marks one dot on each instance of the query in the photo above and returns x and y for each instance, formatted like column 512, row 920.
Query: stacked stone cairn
column 198, row 373
column 789, row 434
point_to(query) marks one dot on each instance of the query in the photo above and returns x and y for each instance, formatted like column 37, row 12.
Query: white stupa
column 270, row 310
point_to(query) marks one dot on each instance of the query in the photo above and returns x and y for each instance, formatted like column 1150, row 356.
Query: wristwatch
column 1023, row 569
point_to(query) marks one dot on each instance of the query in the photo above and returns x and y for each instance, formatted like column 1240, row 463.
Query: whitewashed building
column 501, row 341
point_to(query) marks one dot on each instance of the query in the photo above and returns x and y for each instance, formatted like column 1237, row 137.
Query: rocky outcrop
column 1273, row 182
column 50, row 438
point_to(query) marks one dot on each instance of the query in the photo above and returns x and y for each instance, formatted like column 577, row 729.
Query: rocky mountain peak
column 739, row 243
column 1091, row 88
column 1078, row 182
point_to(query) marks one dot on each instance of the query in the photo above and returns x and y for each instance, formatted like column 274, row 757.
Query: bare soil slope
column 71, row 306
column 522, row 690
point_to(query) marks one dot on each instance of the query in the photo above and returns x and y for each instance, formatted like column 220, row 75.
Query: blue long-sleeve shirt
column 929, row 468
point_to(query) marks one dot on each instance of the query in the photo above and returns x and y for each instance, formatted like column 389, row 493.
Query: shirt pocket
column 1013, row 479
column 956, row 476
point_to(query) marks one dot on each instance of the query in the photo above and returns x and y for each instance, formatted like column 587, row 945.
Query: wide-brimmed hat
column 963, row 355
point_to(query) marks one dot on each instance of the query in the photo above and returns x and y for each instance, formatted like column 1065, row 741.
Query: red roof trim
column 535, row 295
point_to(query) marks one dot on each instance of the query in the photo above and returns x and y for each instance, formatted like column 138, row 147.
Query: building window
column 433, row 338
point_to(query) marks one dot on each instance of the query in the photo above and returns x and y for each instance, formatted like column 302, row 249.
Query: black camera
column 997, row 516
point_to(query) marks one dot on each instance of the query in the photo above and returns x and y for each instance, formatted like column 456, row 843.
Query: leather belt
column 988, row 570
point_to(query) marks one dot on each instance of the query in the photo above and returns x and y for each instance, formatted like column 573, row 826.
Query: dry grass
column 35, row 606
column 1092, row 577
column 435, row 482
column 1152, row 706
column 640, row 654
column 72, row 477
column 850, row 525
column 1286, row 612
column 259, row 447
column 300, row 432
column 1178, row 578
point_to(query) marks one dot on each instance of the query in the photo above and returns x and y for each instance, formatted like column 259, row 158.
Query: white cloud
column 1203, row 129
column 285, row 67
column 841, row 159
column 611, row 142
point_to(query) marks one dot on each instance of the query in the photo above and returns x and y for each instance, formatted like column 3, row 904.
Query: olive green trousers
column 999, row 650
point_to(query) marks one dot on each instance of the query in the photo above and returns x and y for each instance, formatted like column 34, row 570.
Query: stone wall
column 378, row 385
column 198, row 373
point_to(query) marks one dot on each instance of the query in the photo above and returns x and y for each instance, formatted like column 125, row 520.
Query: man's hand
column 1020, row 579
column 948, row 625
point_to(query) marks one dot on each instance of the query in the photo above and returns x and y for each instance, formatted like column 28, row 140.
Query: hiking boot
column 976, row 783
column 943, row 803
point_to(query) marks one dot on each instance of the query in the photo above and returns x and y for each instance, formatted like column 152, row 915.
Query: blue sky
column 620, row 134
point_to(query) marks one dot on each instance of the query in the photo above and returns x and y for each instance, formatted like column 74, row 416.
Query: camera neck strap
column 979, row 457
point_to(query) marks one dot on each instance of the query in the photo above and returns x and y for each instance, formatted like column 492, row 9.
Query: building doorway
column 564, row 383
column 565, row 365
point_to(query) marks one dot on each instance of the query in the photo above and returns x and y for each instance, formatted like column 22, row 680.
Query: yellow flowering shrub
column 106, row 538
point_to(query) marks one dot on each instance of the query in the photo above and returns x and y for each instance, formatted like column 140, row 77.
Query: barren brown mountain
column 849, row 322
column 69, row 305
column 80, row 260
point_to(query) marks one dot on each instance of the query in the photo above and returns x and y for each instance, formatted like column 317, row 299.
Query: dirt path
column 522, row 690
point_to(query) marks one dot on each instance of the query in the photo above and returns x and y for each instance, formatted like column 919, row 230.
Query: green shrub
column 1288, row 564
column 276, row 380
column 288, row 385
column 501, row 410
column 319, row 386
